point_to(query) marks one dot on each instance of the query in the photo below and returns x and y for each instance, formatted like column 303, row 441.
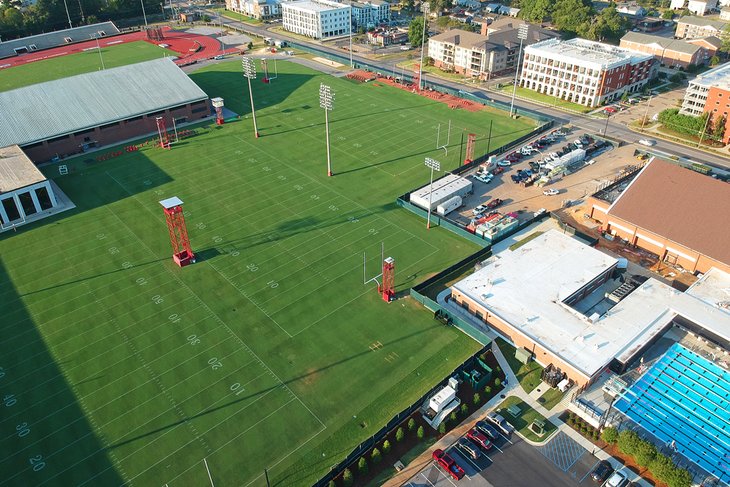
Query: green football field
column 82, row 62
column 118, row 367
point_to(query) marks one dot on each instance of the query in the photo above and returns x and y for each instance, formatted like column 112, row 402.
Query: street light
column 434, row 165
column 605, row 128
column 522, row 32
column 249, row 71
column 327, row 102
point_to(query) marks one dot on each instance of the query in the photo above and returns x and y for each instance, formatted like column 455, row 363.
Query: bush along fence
column 350, row 461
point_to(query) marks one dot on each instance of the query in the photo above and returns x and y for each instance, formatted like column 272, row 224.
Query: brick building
column 710, row 92
column 585, row 72
column 680, row 215
column 673, row 53
column 71, row 115
column 695, row 27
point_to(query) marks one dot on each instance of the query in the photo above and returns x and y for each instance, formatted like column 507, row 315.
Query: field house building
column 68, row 116
column 566, row 304
column 585, row 72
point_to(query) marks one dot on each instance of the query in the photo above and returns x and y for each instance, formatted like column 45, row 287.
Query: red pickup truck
column 448, row 463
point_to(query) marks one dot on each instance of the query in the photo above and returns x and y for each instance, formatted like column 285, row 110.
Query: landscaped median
column 545, row 99
column 526, row 420
column 237, row 16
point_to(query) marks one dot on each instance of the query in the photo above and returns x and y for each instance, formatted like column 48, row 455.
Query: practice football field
column 82, row 62
column 118, row 367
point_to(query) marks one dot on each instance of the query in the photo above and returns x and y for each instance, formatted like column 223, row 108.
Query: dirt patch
column 310, row 377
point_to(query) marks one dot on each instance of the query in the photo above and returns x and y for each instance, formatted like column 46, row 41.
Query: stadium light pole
column 522, row 32
column 351, row 64
column 249, row 71
column 426, row 8
column 434, row 165
column 144, row 15
column 68, row 16
column 327, row 101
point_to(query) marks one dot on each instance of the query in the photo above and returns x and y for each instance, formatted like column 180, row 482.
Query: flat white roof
column 17, row 170
column 718, row 77
column 589, row 53
column 526, row 289
column 314, row 6
column 443, row 189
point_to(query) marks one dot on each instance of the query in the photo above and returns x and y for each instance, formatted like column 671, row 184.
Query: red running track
column 179, row 41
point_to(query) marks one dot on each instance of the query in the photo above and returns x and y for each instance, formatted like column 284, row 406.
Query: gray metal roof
column 58, row 38
column 669, row 44
column 46, row 110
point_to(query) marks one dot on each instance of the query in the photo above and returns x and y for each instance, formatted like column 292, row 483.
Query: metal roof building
column 48, row 110
column 57, row 38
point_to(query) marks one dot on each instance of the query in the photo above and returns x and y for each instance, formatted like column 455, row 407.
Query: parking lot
column 571, row 189
column 513, row 462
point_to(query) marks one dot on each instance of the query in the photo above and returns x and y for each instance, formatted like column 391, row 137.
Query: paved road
column 617, row 130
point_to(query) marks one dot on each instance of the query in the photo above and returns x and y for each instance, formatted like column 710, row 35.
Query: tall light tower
column 249, row 71
column 425, row 9
column 144, row 14
column 327, row 102
column 434, row 165
column 351, row 63
column 522, row 32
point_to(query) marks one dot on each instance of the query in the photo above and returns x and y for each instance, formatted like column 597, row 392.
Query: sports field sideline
column 117, row 367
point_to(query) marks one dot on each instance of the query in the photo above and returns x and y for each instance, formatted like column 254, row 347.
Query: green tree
column 569, row 15
column 205, row 18
column 535, row 10
column 331, row 483
column 347, row 479
column 464, row 409
column 250, row 46
column 477, row 399
column 415, row 32
column 420, row 433
column 645, row 453
column 497, row 382
column 375, row 456
column 714, row 60
column 399, row 434
column 718, row 127
column 442, row 428
column 679, row 477
column 453, row 417
column 411, row 424
column 362, row 465
column 628, row 441
column 487, row 390
column 625, row 96
column 668, row 14
column 661, row 467
column 610, row 435
column 386, row 447
column 608, row 25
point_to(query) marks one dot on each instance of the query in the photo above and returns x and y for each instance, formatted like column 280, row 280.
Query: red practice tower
column 470, row 141
column 387, row 290
column 182, row 254
column 218, row 105
column 162, row 132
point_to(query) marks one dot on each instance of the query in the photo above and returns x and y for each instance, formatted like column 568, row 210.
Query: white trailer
column 571, row 157
column 449, row 205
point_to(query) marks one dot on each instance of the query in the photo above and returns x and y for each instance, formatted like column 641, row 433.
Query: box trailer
column 449, row 205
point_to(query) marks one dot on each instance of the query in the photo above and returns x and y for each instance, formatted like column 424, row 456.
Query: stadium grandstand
column 56, row 119
column 57, row 38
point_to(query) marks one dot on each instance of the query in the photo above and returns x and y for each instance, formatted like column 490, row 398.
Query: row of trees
column 646, row 455
column 577, row 17
column 49, row 15
column 701, row 126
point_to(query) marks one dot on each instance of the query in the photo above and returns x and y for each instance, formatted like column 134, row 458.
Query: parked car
column 488, row 429
column 620, row 478
column 468, row 448
column 647, row 142
column 502, row 425
column 479, row 210
column 504, row 163
column 449, row 464
column 601, row 471
column 479, row 438
column 494, row 203
column 551, row 192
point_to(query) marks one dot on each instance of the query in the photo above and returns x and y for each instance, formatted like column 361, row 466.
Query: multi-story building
column 673, row 53
column 493, row 51
column 695, row 27
column 710, row 93
column 258, row 9
column 369, row 13
column 725, row 14
column 697, row 7
column 585, row 72
column 318, row 19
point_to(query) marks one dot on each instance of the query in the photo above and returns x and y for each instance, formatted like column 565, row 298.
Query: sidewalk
column 512, row 388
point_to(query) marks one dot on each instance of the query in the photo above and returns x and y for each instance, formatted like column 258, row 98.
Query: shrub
column 347, row 478
column 628, row 442
column 453, row 417
column 487, row 390
column 375, row 456
column 386, row 446
column 477, row 398
column 399, row 434
column 331, row 484
column 498, row 369
column 679, row 478
column 411, row 424
column 420, row 433
column 497, row 382
column 442, row 428
column 464, row 409
column 362, row 465
column 661, row 467
column 645, row 453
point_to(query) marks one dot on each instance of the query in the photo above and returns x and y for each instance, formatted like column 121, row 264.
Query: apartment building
column 696, row 27
column 369, row 13
column 697, row 7
column 318, row 19
column 585, row 72
column 710, row 92
column 495, row 50
column 673, row 53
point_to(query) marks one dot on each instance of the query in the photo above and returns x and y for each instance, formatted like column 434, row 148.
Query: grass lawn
column 237, row 16
column 528, row 374
column 546, row 99
column 433, row 70
column 523, row 421
column 551, row 397
column 117, row 367
column 82, row 62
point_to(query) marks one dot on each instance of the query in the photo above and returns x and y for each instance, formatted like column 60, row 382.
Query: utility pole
column 646, row 113
column 522, row 32
column 434, row 165
column 249, row 71
column 326, row 101
column 606, row 126
column 704, row 129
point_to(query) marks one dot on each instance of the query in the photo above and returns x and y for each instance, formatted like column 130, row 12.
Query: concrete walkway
column 512, row 388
